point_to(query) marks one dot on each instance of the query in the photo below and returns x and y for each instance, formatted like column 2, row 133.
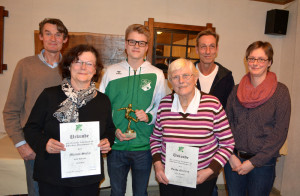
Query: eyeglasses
column 132, row 42
column 259, row 60
column 80, row 63
column 185, row 77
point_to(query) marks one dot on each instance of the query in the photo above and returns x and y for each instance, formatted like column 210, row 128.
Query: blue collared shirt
column 42, row 58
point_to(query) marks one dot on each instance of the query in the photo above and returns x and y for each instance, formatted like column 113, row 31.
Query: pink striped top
column 208, row 130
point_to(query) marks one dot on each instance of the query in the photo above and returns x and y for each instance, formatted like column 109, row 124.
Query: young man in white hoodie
column 133, row 81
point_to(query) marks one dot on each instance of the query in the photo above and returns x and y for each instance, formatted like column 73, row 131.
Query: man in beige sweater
column 31, row 76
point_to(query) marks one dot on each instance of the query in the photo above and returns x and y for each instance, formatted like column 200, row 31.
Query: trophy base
column 130, row 134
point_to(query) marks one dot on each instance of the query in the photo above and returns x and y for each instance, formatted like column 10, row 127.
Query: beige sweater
column 30, row 78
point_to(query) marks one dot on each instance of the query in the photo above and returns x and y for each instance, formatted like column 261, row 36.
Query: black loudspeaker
column 276, row 22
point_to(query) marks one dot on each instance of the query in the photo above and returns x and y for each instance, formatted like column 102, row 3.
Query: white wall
column 239, row 23
column 291, row 70
column 286, row 76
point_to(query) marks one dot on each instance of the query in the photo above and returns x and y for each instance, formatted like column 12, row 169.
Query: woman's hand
column 234, row 162
column 53, row 146
column 203, row 174
column 121, row 136
column 160, row 173
column 104, row 146
column 141, row 115
column 245, row 168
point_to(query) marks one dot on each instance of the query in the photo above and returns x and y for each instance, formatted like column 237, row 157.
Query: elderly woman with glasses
column 193, row 118
column 75, row 100
column 258, row 110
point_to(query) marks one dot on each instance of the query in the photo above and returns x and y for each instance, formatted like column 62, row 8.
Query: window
column 169, row 45
column 172, row 41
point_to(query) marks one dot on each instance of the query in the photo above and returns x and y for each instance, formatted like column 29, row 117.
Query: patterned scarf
column 68, row 111
column 251, row 97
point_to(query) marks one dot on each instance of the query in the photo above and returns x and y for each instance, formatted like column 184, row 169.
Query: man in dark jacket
column 213, row 79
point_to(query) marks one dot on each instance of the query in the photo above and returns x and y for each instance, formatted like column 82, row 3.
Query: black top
column 222, row 84
column 41, row 126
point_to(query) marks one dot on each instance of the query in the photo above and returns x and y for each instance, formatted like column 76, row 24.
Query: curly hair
column 73, row 54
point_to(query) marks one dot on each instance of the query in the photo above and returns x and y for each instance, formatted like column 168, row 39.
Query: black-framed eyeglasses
column 259, row 60
column 132, row 42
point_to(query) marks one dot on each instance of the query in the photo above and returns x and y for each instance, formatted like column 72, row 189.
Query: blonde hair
column 141, row 29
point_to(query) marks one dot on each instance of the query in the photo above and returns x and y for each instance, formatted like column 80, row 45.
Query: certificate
column 181, row 164
column 82, row 155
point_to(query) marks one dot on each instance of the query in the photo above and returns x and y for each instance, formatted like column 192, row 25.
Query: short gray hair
column 181, row 63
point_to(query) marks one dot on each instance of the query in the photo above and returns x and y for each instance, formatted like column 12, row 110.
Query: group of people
column 240, row 128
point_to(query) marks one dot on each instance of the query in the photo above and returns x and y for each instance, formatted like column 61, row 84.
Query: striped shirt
column 208, row 130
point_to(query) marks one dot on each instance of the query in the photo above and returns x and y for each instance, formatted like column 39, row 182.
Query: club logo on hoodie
column 145, row 84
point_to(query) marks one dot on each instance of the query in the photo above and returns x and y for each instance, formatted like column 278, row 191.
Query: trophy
column 130, row 133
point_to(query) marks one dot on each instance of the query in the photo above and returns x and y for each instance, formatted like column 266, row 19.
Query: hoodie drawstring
column 133, row 85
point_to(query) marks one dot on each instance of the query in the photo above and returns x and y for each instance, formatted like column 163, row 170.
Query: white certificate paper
column 181, row 164
column 82, row 155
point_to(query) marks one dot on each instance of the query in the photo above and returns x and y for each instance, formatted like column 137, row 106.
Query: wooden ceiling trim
column 180, row 26
column 280, row 2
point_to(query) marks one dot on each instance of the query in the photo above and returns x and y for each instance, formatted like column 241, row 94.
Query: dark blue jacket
column 222, row 84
